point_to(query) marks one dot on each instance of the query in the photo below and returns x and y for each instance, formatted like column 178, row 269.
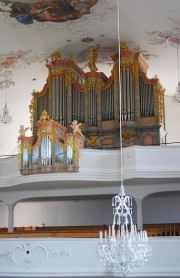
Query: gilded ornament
column 19, row 155
column 93, row 141
column 21, row 148
column 47, row 133
column 56, row 55
column 159, row 95
column 77, row 152
column 69, row 142
column 44, row 116
column 32, row 110
column 115, row 75
column 59, row 74
column 134, row 68
column 127, row 135
column 124, row 45
column 92, row 58
column 138, row 49
column 96, row 85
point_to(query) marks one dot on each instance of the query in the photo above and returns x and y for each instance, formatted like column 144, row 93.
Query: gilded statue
column 92, row 58
column 22, row 132
column 76, row 128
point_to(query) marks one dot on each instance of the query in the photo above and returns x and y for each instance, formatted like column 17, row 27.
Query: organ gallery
column 91, row 101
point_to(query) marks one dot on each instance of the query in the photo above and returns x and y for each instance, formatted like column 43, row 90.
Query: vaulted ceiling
column 31, row 30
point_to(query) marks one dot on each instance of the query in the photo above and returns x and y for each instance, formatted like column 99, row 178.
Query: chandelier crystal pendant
column 6, row 118
column 176, row 96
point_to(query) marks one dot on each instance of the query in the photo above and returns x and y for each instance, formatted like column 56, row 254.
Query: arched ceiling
column 31, row 30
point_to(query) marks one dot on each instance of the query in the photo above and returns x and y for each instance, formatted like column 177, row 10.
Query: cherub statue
column 92, row 58
column 76, row 128
column 22, row 132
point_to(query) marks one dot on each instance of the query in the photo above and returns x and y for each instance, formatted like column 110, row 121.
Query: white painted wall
column 63, row 213
column 70, row 257
column 3, row 215
column 161, row 209
column 172, row 113
column 88, row 212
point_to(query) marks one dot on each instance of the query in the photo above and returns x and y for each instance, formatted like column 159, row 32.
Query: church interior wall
column 156, row 209
column 172, row 112
column 161, row 209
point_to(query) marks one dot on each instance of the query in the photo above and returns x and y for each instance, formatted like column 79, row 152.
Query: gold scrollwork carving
column 44, row 116
column 123, row 45
column 93, row 141
column 115, row 75
column 159, row 95
column 56, row 55
column 77, row 152
column 69, row 142
column 75, row 147
column 32, row 110
column 96, row 85
column 19, row 156
column 133, row 67
column 58, row 74
column 46, row 132
column 128, row 135
column 21, row 148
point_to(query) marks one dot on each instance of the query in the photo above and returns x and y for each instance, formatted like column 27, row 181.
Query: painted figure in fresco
column 76, row 128
column 22, row 132
column 50, row 10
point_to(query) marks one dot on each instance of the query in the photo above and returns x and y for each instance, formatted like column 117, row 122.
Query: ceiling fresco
column 14, row 60
column 52, row 10
column 170, row 37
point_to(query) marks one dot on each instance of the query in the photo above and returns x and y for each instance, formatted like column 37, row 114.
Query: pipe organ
column 92, row 99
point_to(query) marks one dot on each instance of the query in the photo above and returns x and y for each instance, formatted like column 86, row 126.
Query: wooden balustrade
column 83, row 231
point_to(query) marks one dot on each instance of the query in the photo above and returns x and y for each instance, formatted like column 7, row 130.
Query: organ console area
column 92, row 100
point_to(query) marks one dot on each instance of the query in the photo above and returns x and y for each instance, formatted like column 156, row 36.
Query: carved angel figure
column 22, row 132
column 76, row 128
column 92, row 58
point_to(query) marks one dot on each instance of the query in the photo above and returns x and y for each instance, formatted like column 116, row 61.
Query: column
column 139, row 214
column 11, row 218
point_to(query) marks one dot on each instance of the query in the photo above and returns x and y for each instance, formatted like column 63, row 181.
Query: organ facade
column 93, row 100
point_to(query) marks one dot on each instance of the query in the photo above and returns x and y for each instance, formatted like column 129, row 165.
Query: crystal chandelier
column 176, row 96
column 5, row 118
column 123, row 248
